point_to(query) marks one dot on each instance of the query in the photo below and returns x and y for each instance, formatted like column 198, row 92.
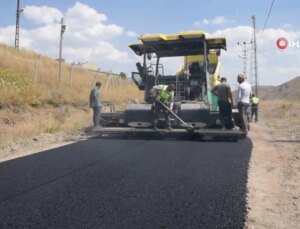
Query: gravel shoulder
column 42, row 142
column 273, row 178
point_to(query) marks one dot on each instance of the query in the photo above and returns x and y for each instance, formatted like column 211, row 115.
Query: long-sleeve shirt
column 244, row 92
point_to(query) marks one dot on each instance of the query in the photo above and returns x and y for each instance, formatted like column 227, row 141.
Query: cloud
column 100, row 51
column 42, row 14
column 219, row 20
column 132, row 34
column 6, row 35
column 86, row 21
column 87, row 36
column 275, row 66
column 110, row 52
column 85, row 14
column 48, row 34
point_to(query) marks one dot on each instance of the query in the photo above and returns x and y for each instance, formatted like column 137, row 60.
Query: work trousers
column 157, row 108
column 244, row 113
column 254, row 112
column 96, row 115
column 225, row 114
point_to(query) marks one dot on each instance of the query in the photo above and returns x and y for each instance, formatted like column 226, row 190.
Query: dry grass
column 20, row 84
column 281, row 109
column 33, row 103
column 282, row 117
column 15, row 127
column 123, row 96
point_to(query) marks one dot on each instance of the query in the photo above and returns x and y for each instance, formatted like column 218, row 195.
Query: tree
column 123, row 75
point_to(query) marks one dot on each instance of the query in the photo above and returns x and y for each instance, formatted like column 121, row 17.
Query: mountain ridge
column 289, row 90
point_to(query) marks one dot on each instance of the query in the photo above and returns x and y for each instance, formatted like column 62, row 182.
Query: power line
column 266, row 20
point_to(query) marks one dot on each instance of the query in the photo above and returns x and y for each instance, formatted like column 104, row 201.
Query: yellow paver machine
column 196, row 111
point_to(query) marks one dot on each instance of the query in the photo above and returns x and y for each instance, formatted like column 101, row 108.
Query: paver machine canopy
column 193, row 81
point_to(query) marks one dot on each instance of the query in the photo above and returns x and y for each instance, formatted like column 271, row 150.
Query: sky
column 99, row 31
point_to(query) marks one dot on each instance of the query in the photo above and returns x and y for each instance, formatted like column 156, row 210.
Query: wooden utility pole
column 71, row 74
column 62, row 30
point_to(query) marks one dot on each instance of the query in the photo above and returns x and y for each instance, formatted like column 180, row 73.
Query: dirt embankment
column 274, row 188
column 32, row 130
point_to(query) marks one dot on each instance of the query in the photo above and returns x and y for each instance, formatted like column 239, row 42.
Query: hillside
column 27, row 78
column 33, row 100
column 287, row 91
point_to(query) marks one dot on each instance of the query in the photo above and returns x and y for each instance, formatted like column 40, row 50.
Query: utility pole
column 255, row 56
column 71, row 74
column 62, row 30
column 244, row 56
column 19, row 11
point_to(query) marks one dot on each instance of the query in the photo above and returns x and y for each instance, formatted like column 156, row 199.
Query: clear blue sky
column 168, row 16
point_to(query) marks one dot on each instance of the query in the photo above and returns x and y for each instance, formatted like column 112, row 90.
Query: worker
column 95, row 103
column 243, row 101
column 163, row 94
column 223, row 92
column 254, row 108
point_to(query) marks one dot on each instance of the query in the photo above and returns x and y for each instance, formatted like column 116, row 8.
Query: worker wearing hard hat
column 163, row 94
column 254, row 108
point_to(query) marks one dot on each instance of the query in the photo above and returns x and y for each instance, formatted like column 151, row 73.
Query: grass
column 32, row 101
column 282, row 116
column 15, row 89
column 15, row 127
column 281, row 109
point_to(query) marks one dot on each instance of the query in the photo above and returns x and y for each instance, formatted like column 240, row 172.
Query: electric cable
column 266, row 21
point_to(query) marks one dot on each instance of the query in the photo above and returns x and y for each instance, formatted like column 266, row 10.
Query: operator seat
column 194, row 68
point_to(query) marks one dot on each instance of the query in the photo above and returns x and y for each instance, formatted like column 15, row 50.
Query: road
column 128, row 183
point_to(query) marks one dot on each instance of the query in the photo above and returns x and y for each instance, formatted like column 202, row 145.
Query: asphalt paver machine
column 195, row 111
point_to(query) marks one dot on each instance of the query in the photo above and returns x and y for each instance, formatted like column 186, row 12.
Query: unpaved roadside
column 274, row 187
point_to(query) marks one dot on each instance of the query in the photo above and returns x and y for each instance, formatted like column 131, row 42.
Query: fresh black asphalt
column 128, row 183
